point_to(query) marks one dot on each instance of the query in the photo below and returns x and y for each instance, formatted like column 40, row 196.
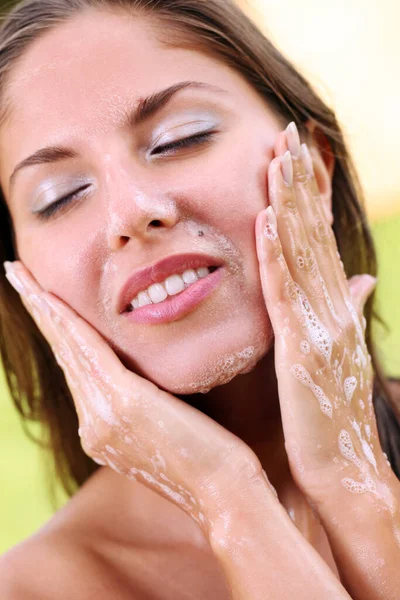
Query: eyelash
column 166, row 150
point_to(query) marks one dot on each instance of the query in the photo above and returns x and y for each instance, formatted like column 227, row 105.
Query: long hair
column 220, row 29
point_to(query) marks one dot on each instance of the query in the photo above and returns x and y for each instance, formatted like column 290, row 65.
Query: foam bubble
column 361, row 356
column 347, row 449
column 300, row 262
column 305, row 378
column 353, row 486
column 305, row 347
column 319, row 335
column 270, row 232
column 369, row 455
column 226, row 369
column 350, row 385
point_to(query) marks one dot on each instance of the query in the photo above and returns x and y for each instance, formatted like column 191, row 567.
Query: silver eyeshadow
column 51, row 190
column 193, row 120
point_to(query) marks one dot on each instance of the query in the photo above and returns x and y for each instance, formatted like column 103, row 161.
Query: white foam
column 319, row 335
column 300, row 262
column 270, row 232
column 353, row 486
column 347, row 449
column 369, row 455
column 305, row 378
column 350, row 385
column 305, row 347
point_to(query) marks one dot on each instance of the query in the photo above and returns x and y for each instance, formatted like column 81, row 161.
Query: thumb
column 361, row 287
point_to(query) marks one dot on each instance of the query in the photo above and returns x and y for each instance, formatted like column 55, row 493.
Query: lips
column 158, row 272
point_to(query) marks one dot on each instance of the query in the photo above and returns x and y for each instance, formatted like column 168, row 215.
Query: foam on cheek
column 225, row 369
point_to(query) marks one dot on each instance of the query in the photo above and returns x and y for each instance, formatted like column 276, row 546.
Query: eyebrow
column 143, row 110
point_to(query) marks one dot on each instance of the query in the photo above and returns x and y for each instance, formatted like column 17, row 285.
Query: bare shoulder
column 114, row 540
column 64, row 558
column 57, row 567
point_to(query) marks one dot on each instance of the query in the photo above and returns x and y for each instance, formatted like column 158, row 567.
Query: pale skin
column 218, row 472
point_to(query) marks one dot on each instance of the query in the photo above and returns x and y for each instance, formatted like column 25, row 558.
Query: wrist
column 240, row 503
column 378, row 505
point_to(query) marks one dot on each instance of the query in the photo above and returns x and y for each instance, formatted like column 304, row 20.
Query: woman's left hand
column 325, row 377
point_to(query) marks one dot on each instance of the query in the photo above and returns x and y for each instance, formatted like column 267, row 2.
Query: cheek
column 64, row 263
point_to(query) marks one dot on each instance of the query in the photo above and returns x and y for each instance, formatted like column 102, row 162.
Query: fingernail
column 307, row 160
column 293, row 139
column 14, row 280
column 40, row 303
column 287, row 168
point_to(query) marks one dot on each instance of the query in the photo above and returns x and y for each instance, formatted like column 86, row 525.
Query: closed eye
column 166, row 150
column 185, row 143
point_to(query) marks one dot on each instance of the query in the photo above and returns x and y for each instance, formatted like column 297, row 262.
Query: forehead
column 84, row 72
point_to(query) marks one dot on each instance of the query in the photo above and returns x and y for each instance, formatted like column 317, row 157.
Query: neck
column 248, row 406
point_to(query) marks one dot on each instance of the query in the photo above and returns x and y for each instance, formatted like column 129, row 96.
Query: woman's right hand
column 127, row 422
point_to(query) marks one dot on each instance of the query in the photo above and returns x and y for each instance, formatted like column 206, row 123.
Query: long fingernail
column 35, row 302
column 14, row 280
column 287, row 168
column 293, row 139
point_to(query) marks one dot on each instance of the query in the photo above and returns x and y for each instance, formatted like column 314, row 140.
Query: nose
column 140, row 212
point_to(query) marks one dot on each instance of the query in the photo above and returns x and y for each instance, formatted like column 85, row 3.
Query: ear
column 324, row 165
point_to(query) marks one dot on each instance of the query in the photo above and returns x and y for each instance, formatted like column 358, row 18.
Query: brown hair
column 218, row 28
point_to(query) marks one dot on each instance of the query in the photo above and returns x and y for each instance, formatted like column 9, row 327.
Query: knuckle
column 306, row 259
column 319, row 232
column 302, row 178
column 289, row 202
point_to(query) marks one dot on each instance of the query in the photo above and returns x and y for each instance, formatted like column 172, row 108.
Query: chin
column 199, row 378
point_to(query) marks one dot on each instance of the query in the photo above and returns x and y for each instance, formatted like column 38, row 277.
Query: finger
column 86, row 360
column 277, row 284
column 361, row 287
column 298, row 253
column 318, row 231
column 322, row 228
column 313, row 206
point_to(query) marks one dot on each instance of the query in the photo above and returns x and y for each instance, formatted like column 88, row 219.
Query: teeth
column 174, row 285
column 157, row 293
column 170, row 287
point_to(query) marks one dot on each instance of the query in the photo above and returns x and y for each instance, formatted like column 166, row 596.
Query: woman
column 188, row 158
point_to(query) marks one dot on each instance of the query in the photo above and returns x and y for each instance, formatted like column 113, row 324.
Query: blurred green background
column 351, row 63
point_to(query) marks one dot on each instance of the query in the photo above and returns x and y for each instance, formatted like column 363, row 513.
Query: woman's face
column 140, row 206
